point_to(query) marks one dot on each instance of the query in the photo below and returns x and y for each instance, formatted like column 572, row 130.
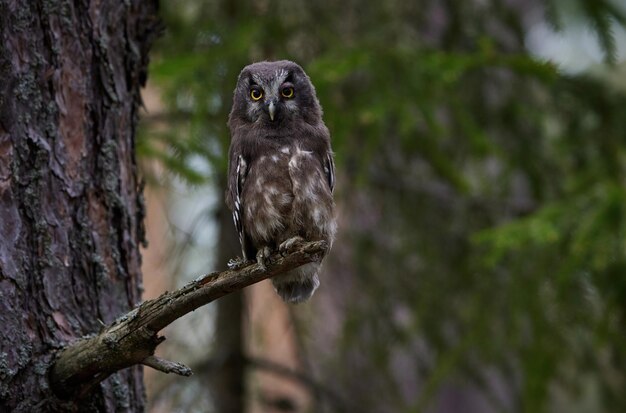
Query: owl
column 281, row 172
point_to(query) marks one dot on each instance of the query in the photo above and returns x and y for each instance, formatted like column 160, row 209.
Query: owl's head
column 274, row 94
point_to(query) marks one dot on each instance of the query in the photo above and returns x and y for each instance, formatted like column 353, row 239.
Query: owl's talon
column 262, row 256
column 237, row 263
column 287, row 245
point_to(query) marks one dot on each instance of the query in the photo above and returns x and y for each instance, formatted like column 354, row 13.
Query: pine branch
column 133, row 338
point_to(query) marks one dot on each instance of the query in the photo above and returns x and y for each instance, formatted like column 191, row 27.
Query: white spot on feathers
column 259, row 184
column 317, row 216
column 272, row 190
column 268, row 222
column 298, row 157
column 293, row 162
column 285, row 199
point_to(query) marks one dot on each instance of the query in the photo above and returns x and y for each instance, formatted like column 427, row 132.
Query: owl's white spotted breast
column 287, row 194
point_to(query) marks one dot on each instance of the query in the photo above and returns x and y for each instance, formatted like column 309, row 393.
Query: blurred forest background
column 481, row 259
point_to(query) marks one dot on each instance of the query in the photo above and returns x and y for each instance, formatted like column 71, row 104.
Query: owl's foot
column 237, row 263
column 287, row 245
column 262, row 255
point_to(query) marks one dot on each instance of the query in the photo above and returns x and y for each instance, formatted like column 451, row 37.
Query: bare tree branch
column 166, row 366
column 133, row 338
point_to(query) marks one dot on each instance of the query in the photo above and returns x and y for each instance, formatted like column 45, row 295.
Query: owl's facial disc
column 272, row 98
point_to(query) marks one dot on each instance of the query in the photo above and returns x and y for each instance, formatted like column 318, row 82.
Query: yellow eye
column 256, row 94
column 287, row 92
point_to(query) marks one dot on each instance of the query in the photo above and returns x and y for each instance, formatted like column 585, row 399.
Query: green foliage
column 599, row 15
column 481, row 190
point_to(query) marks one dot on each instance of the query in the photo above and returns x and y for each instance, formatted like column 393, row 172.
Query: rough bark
column 70, row 204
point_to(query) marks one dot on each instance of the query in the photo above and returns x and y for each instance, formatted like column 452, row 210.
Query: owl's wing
column 329, row 170
column 236, row 181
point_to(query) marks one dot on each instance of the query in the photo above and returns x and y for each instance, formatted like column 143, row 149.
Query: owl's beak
column 271, row 109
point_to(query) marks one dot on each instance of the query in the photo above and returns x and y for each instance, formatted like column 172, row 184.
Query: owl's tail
column 297, row 285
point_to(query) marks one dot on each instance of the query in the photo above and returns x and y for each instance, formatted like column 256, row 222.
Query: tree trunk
column 229, row 379
column 70, row 203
